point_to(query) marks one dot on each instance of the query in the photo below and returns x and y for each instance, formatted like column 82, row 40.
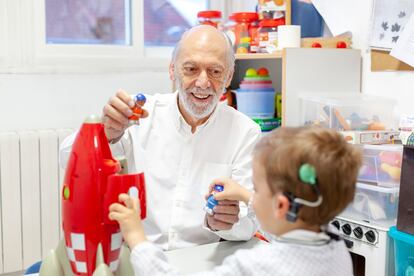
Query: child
column 303, row 177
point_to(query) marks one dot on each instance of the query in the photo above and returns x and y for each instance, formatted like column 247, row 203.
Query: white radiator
column 30, row 182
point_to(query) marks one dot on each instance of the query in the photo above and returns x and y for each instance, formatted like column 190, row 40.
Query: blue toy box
column 404, row 252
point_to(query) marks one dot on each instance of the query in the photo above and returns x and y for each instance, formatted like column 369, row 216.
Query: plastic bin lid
column 209, row 14
column 346, row 99
column 401, row 236
column 245, row 16
column 271, row 22
column 375, row 188
column 385, row 147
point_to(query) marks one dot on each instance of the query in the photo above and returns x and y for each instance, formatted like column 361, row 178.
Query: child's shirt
column 298, row 252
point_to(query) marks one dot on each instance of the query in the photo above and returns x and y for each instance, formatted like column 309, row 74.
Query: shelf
column 277, row 54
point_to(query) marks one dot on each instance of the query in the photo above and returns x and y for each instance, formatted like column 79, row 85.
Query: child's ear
column 280, row 206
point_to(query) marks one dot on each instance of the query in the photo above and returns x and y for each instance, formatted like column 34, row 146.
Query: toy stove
column 370, row 246
column 364, row 224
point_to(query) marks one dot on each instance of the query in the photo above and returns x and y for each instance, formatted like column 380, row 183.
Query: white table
column 207, row 255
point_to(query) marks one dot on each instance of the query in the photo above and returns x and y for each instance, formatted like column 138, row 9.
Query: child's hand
column 232, row 190
column 129, row 220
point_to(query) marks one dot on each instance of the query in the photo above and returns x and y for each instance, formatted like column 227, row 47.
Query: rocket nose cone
column 93, row 119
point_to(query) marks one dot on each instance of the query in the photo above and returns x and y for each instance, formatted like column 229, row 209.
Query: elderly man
column 186, row 140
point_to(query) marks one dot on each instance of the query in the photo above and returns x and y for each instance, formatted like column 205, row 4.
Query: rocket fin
column 99, row 256
column 102, row 270
column 56, row 263
column 124, row 267
column 63, row 258
column 51, row 266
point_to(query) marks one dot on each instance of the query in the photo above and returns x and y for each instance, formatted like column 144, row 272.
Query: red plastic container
column 243, row 21
column 212, row 18
column 268, row 34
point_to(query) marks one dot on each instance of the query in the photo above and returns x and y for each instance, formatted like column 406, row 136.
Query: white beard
column 197, row 110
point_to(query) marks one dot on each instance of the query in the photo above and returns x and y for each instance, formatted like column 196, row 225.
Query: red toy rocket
column 91, row 184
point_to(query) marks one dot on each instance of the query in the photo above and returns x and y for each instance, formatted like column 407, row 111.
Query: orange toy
column 137, row 111
column 341, row 120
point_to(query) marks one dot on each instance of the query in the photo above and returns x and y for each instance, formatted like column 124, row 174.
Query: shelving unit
column 304, row 70
column 275, row 55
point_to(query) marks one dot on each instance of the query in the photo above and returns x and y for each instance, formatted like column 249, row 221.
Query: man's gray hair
column 230, row 58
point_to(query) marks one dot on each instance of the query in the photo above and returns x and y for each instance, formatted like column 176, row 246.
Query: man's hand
column 116, row 113
column 129, row 219
column 226, row 213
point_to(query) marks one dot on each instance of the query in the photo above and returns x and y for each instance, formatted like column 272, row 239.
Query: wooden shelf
column 277, row 54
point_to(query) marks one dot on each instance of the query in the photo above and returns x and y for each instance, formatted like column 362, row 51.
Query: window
column 88, row 22
column 166, row 20
column 94, row 36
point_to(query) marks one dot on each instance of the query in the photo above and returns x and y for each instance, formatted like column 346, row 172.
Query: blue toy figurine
column 211, row 201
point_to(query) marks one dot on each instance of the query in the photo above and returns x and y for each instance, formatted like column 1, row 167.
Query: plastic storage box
column 403, row 252
column 381, row 165
column 349, row 111
column 373, row 204
column 257, row 104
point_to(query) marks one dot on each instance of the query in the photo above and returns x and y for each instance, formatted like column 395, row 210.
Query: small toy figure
column 139, row 100
column 211, row 202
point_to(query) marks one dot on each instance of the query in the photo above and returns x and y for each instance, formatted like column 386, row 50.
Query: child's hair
column 283, row 151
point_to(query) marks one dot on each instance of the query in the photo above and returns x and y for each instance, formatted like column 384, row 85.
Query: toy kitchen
column 378, row 226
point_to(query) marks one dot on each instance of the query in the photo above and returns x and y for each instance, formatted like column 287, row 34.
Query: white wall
column 29, row 101
column 398, row 85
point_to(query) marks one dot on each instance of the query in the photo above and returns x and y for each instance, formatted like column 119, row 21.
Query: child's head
column 277, row 160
